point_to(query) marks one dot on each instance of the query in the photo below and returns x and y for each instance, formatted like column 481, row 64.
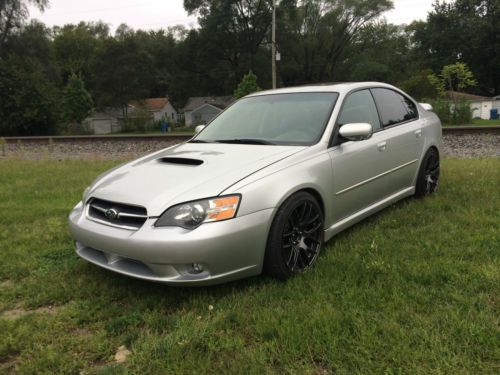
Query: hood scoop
column 181, row 161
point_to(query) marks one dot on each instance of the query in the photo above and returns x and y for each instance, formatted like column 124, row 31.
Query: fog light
column 197, row 268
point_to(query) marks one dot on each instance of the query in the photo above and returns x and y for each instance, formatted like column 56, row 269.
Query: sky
column 156, row 14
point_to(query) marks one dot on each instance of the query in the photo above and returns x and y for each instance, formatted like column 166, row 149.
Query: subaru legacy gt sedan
column 262, row 186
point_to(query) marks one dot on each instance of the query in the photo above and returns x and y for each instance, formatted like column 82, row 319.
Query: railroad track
column 186, row 136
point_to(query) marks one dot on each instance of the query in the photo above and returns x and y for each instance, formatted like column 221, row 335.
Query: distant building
column 480, row 106
column 202, row 109
column 111, row 120
column 160, row 108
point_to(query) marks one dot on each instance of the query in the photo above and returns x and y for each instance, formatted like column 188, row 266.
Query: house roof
column 217, row 101
column 152, row 104
column 465, row 96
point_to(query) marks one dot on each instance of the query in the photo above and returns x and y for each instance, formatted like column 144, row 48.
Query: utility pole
column 273, row 47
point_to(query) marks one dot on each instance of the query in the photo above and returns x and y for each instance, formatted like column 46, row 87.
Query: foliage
column 377, row 53
column 12, row 16
column 465, row 31
column 123, row 71
column 420, row 86
column 77, row 102
column 29, row 101
column 411, row 290
column 139, row 121
column 314, row 34
column 76, row 48
column 247, row 85
column 454, row 77
column 453, row 113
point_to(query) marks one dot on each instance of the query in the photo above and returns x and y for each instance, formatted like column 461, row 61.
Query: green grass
column 414, row 289
column 486, row 122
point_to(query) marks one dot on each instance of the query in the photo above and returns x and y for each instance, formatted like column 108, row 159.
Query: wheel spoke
column 313, row 229
column 315, row 217
column 306, row 213
column 294, row 256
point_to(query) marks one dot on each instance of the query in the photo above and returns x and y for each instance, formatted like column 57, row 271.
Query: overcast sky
column 155, row 14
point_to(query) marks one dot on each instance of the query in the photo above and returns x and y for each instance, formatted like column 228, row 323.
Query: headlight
column 85, row 193
column 192, row 214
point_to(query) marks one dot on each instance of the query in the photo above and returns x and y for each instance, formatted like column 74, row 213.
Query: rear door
column 403, row 133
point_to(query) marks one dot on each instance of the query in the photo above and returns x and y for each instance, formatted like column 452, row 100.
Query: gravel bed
column 455, row 145
column 471, row 145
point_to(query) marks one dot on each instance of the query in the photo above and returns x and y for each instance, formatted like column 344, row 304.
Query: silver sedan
column 262, row 186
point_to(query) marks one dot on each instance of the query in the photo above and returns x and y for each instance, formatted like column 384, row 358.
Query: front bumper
column 226, row 250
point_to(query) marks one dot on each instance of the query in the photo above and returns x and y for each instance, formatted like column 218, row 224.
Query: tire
column 296, row 237
column 428, row 174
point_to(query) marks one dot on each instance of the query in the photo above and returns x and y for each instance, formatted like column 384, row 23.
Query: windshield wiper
column 198, row 141
column 248, row 141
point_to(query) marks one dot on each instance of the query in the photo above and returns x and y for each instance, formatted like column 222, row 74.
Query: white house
column 160, row 108
column 202, row 109
column 480, row 106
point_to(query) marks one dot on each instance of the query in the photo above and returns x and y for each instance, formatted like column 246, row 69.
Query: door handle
column 418, row 133
column 382, row 146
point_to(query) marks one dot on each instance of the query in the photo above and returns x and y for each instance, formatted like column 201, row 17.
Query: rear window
column 393, row 107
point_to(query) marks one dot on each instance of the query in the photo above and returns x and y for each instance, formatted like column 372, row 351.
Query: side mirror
column 426, row 106
column 198, row 129
column 356, row 131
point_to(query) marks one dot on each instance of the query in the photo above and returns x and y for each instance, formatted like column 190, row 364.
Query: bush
column 138, row 122
column 453, row 113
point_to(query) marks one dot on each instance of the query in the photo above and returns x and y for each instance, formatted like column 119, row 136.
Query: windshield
column 284, row 119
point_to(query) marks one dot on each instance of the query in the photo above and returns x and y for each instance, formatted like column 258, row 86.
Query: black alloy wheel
column 428, row 177
column 296, row 236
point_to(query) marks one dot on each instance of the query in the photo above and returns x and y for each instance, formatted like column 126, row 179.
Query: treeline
column 318, row 41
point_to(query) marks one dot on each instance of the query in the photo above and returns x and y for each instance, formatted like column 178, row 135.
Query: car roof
column 341, row 88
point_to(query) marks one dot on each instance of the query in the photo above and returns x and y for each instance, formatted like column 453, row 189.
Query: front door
column 359, row 167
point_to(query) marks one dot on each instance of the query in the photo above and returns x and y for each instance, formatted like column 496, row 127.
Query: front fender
column 269, row 189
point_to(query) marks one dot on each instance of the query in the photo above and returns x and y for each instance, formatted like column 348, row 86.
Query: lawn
column 481, row 122
column 414, row 289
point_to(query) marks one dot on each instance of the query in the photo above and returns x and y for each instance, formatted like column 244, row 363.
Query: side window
column 411, row 108
column 359, row 107
column 394, row 107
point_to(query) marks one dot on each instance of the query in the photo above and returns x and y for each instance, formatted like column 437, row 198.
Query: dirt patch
column 121, row 354
column 19, row 312
column 6, row 284
column 9, row 364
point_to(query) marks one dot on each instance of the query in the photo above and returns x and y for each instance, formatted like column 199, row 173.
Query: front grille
column 116, row 214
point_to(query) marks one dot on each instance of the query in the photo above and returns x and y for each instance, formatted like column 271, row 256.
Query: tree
column 29, row 103
column 13, row 13
column 76, row 48
column 124, row 71
column 462, row 31
column 314, row 35
column 455, row 77
column 230, row 42
column 77, row 102
column 247, row 85
column 379, row 52
column 419, row 85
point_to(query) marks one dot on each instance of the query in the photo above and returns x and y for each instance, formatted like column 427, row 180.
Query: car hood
column 185, row 172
